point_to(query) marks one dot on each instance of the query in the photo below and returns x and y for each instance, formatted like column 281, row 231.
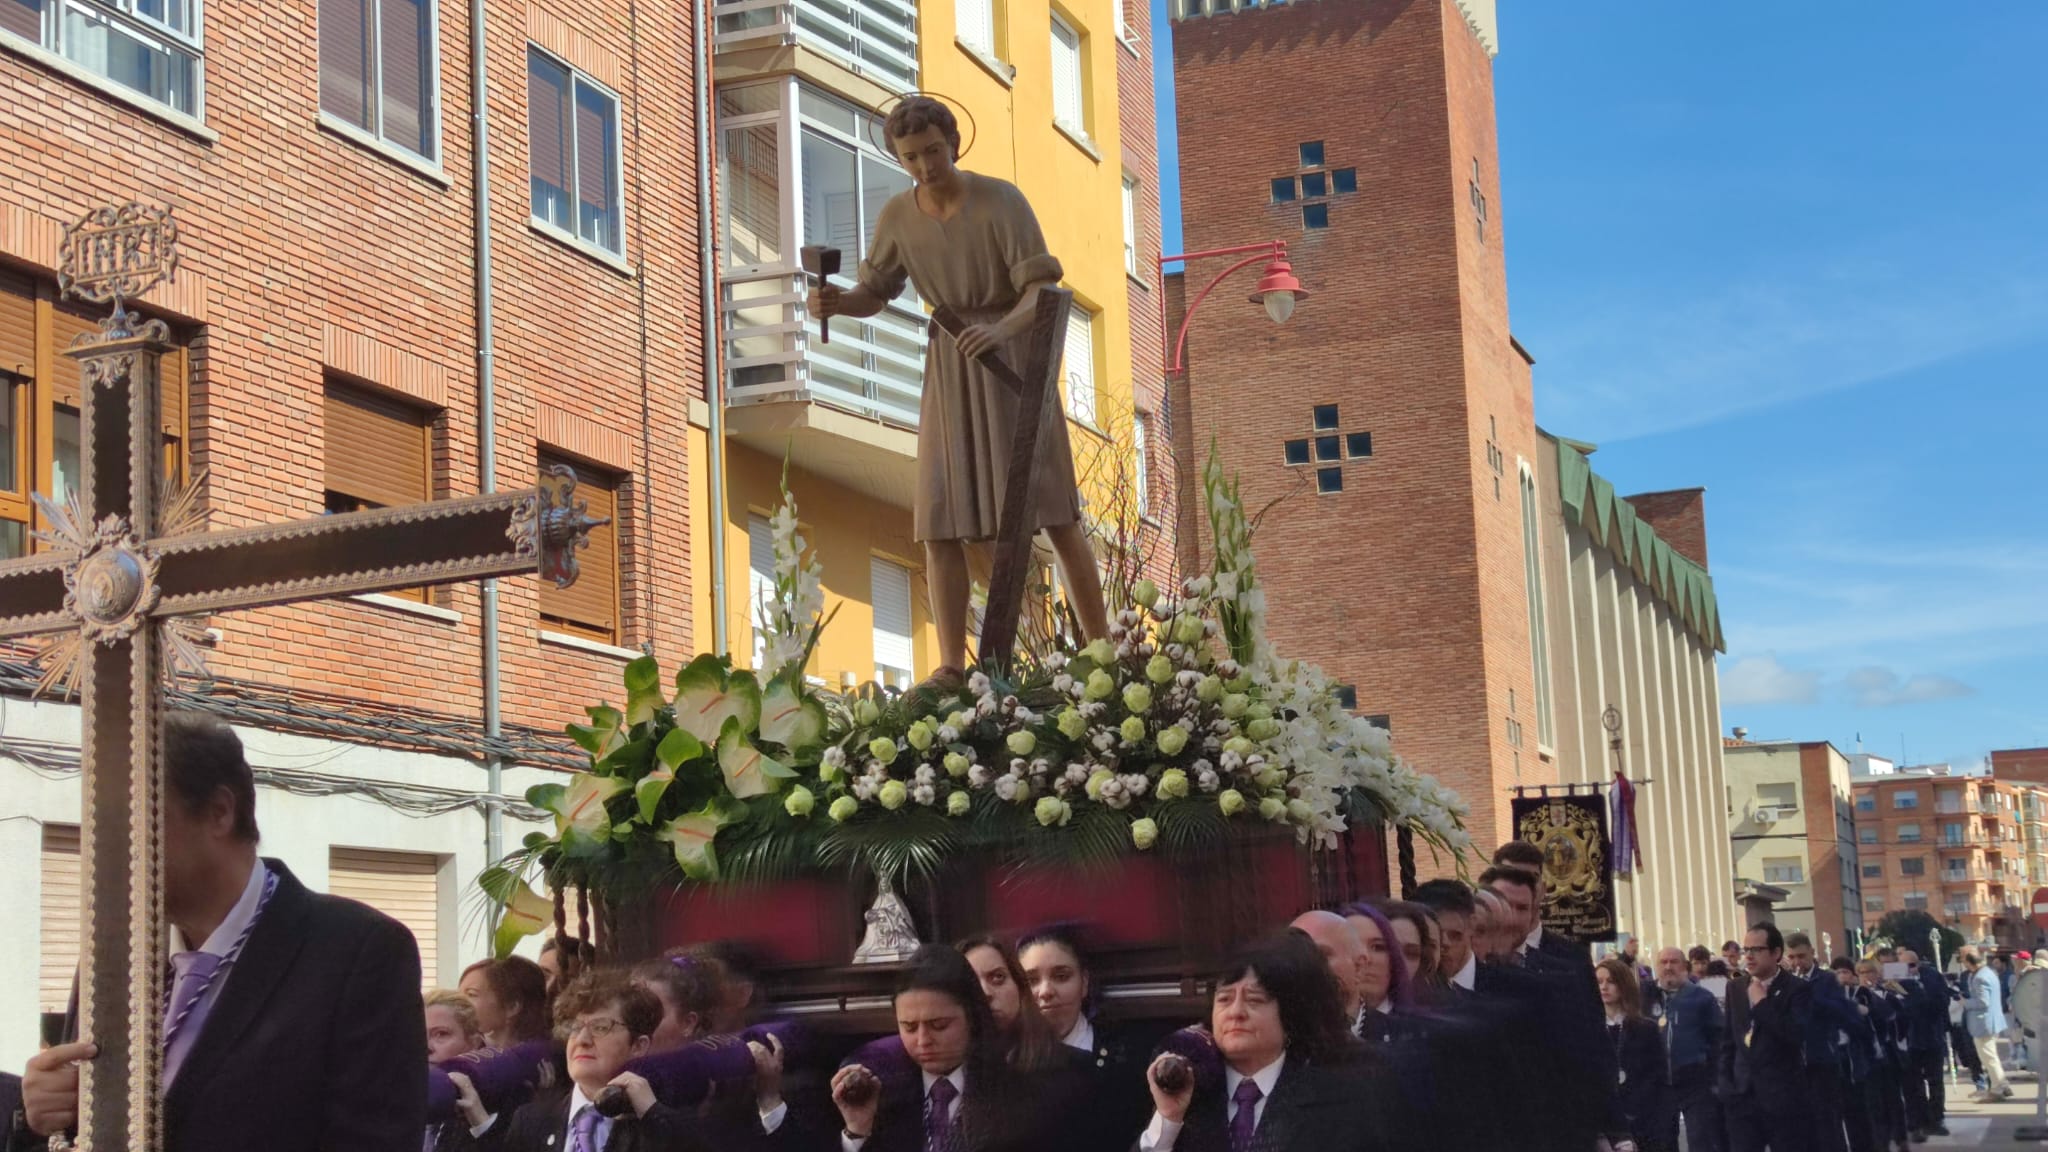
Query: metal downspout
column 714, row 318
column 486, row 415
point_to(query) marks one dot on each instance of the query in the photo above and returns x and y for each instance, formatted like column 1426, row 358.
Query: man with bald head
column 1690, row 1024
column 1339, row 944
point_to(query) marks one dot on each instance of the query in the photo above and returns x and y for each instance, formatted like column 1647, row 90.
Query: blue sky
column 1798, row 254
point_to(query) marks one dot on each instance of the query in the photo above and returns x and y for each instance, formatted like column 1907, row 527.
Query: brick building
column 1792, row 823
column 2020, row 765
column 1964, row 849
column 1464, row 574
column 319, row 157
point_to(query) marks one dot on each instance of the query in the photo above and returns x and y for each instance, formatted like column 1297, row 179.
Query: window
column 1873, row 904
column 1866, row 802
column 1324, row 417
column 1329, row 480
column 1327, row 448
column 1068, row 107
column 62, row 909
column 891, row 590
column 1909, row 833
column 379, row 453
column 1784, row 870
column 1347, row 697
column 573, row 126
column 1873, row 870
column 1905, row 800
column 590, row 607
column 1312, row 154
column 976, row 25
column 760, row 580
column 1141, row 462
column 1914, row 902
column 1131, row 225
column 1283, row 190
column 1539, row 626
column 1951, row 833
column 1866, row 835
column 405, row 886
column 1315, row 184
column 39, row 417
column 1344, row 180
column 1784, row 797
column 1357, row 445
column 1297, row 452
column 1080, row 365
column 377, row 70
column 1315, row 216
column 150, row 47
column 1913, row 866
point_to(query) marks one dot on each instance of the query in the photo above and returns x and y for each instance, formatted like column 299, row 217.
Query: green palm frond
column 1190, row 827
column 902, row 845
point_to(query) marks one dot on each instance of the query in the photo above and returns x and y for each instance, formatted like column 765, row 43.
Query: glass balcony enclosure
column 872, row 38
column 797, row 167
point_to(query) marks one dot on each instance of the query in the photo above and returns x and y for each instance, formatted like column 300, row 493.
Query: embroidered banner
column 1578, row 866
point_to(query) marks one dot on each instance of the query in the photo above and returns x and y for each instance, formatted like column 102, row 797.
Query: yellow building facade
column 801, row 87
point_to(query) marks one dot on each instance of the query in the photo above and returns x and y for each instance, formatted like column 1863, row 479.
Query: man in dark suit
column 1924, row 1016
column 294, row 1021
column 1690, row 1022
column 1574, row 1033
column 1529, row 858
column 1764, row 1073
column 1829, row 1026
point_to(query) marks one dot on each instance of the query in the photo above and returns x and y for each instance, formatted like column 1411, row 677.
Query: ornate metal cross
column 131, row 556
column 1036, row 393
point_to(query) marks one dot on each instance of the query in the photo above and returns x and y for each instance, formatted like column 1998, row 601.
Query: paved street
column 1989, row 1126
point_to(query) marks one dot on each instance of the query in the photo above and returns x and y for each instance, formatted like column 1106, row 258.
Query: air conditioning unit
column 1767, row 815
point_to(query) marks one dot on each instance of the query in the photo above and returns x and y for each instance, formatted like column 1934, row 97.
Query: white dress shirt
column 959, row 1078
column 1533, row 942
column 224, row 937
column 1082, row 1037
column 1159, row 1136
column 577, row 1103
column 1468, row 976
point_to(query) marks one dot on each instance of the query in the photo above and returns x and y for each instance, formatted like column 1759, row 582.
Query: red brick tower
column 1391, row 415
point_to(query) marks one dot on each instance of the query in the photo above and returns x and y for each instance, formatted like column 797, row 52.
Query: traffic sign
column 2040, row 907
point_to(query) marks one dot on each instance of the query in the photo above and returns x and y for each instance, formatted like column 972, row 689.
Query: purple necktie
column 583, row 1133
column 1246, row 1121
column 185, row 1016
column 938, row 1116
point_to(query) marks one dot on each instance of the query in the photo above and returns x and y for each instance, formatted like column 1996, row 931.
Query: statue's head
column 924, row 136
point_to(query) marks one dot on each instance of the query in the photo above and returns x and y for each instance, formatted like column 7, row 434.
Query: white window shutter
column 1141, row 475
column 1080, row 366
column 976, row 19
column 1066, row 75
column 760, row 577
column 1130, row 225
column 891, row 594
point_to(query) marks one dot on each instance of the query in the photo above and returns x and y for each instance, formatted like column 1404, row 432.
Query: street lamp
column 1278, row 291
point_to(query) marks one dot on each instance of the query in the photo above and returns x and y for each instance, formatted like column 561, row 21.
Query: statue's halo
column 960, row 113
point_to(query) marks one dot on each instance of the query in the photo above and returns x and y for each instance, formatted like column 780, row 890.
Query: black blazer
column 1640, row 1074
column 1018, row 1112
column 316, row 1043
column 542, row 1126
column 1766, row 1051
column 1314, row 1108
column 1111, row 1080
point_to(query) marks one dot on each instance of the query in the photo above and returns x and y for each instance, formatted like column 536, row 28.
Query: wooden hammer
column 821, row 261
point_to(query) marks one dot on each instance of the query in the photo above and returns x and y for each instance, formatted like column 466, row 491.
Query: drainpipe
column 714, row 316
column 486, row 415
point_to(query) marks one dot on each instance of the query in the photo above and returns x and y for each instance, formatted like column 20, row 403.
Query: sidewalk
column 1990, row 1126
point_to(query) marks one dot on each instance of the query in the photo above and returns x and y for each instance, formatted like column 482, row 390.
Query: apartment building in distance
column 1791, row 820
column 1957, row 847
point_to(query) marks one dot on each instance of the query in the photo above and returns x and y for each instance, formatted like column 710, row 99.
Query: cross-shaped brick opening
column 1312, row 186
column 1327, row 448
column 1478, row 202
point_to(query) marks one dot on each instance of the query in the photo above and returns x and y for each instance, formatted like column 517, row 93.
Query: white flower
column 978, row 683
column 924, row 774
column 977, row 776
column 924, row 794
column 1006, row 788
column 1207, row 781
column 834, row 757
column 948, row 734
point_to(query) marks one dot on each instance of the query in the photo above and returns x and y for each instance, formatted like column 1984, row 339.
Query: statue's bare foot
column 944, row 678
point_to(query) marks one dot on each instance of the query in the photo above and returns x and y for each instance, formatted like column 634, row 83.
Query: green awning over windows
column 1684, row 586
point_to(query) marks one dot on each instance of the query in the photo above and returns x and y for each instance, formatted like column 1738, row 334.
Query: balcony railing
column 873, row 38
column 872, row 367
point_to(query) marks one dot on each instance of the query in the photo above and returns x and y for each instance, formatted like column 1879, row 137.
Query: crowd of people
column 1452, row 1019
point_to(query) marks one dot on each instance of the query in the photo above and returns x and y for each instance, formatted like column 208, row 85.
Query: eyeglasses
column 1758, row 950
column 599, row 1027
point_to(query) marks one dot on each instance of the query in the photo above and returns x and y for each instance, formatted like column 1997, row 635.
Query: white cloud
column 1762, row 680
column 1874, row 687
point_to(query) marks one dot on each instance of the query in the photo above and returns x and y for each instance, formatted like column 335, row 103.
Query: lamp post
column 1277, row 293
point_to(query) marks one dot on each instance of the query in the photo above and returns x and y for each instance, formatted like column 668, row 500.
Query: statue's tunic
column 977, row 264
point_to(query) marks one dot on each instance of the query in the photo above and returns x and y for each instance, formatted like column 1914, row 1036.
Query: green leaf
column 677, row 749
column 643, row 690
column 748, row 770
column 706, row 698
column 604, row 733
column 579, row 809
column 545, row 796
column 791, row 716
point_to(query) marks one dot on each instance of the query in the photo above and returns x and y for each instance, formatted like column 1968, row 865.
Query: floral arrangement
column 1177, row 726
